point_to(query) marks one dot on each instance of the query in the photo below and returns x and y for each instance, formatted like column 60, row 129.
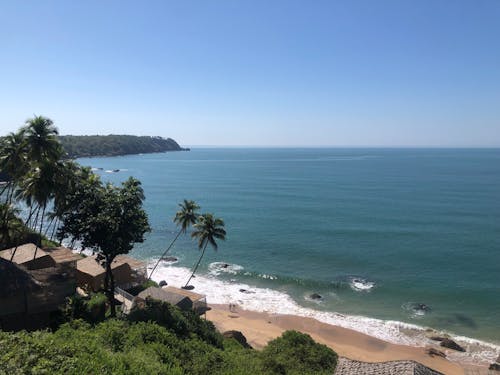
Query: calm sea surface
column 411, row 235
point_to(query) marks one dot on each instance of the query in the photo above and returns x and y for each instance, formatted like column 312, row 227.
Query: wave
column 268, row 300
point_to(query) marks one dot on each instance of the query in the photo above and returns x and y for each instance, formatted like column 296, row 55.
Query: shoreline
column 261, row 327
column 262, row 304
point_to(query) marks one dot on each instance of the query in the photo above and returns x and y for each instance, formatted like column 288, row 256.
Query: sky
column 257, row 73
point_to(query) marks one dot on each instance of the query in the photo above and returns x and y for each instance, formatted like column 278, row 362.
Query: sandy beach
column 259, row 328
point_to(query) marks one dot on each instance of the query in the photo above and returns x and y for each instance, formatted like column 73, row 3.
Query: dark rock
column 246, row 291
column 238, row 336
column 432, row 352
column 450, row 344
column 169, row 259
column 494, row 367
column 162, row 283
column 188, row 287
column 437, row 338
column 225, row 265
column 315, row 296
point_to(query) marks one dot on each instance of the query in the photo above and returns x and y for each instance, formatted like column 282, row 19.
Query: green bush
column 183, row 323
column 91, row 309
column 298, row 353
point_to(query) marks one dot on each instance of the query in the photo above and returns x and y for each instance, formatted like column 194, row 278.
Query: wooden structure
column 30, row 256
column 183, row 299
column 127, row 272
column 347, row 366
column 28, row 298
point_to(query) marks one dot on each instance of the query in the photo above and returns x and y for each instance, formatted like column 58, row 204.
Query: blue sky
column 286, row 73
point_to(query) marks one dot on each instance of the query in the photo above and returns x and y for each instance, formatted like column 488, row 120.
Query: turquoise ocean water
column 409, row 235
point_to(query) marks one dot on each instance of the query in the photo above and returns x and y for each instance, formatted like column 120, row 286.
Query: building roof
column 132, row 262
column 347, row 366
column 90, row 266
column 62, row 254
column 191, row 295
column 24, row 253
column 165, row 296
column 15, row 279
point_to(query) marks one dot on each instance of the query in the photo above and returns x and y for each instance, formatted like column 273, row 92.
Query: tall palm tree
column 207, row 230
column 13, row 161
column 41, row 140
column 184, row 218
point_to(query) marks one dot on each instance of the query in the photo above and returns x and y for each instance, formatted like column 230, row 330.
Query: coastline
column 261, row 327
column 355, row 337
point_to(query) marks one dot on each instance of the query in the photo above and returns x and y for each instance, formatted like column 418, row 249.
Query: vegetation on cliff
column 112, row 145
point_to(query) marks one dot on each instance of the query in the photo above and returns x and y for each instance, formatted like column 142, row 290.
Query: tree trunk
column 110, row 287
column 40, row 233
column 197, row 264
column 165, row 253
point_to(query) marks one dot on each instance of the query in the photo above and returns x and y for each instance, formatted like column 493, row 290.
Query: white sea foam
column 358, row 284
column 273, row 301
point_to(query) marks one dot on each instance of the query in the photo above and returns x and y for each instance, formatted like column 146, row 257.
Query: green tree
column 184, row 218
column 207, row 230
column 109, row 220
column 41, row 140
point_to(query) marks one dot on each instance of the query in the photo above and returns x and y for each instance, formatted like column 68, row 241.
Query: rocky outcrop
column 433, row 351
column 450, row 344
column 495, row 366
column 238, row 336
column 315, row 296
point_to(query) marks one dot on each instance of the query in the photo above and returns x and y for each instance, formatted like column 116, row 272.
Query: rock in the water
column 225, row 265
column 494, row 366
column 162, row 283
column 432, row 352
column 169, row 259
column 315, row 296
column 450, row 344
column 238, row 336
column 246, row 291
column 188, row 287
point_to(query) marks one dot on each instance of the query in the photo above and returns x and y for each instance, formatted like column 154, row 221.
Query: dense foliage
column 111, row 145
column 180, row 343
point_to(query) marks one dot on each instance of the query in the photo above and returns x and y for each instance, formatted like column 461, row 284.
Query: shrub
column 298, row 353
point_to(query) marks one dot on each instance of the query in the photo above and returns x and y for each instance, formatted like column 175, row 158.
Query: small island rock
column 315, row 296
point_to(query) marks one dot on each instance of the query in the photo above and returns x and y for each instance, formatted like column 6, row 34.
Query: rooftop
column 24, row 253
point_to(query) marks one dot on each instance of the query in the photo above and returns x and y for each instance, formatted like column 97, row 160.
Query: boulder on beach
column 437, row 338
column 169, row 259
column 246, row 291
column 315, row 296
column 450, row 344
column 433, row 351
column 162, row 283
column 495, row 366
column 238, row 336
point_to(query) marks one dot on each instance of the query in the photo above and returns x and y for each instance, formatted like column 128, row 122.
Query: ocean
column 393, row 240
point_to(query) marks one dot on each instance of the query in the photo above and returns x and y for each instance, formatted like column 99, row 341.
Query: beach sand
column 259, row 328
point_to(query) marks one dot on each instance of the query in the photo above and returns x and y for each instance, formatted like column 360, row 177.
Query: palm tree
column 207, row 230
column 11, row 228
column 185, row 217
column 13, row 161
column 41, row 140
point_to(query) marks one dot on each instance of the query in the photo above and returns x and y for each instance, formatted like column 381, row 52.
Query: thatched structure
column 126, row 272
column 28, row 297
column 62, row 255
column 183, row 299
column 347, row 366
column 29, row 256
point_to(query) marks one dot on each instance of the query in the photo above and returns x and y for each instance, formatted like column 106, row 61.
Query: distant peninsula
column 78, row 146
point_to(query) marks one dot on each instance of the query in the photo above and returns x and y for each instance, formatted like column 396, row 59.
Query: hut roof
column 133, row 263
column 166, row 296
column 62, row 254
column 347, row 366
column 15, row 279
column 191, row 295
column 24, row 253
column 90, row 266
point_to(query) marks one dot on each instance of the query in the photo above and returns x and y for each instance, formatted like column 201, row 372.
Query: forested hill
column 112, row 145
